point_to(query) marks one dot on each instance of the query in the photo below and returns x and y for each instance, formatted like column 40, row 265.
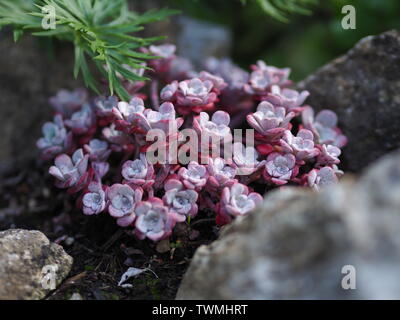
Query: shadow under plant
column 102, row 252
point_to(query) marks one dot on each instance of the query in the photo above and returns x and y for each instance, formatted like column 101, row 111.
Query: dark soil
column 102, row 251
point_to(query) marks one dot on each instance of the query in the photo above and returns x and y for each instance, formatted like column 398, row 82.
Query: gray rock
column 363, row 88
column 296, row 245
column 26, row 257
column 28, row 77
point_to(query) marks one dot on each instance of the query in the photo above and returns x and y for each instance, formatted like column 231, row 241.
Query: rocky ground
column 287, row 249
column 300, row 244
column 100, row 250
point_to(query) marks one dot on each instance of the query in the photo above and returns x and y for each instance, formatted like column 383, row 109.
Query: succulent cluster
column 100, row 146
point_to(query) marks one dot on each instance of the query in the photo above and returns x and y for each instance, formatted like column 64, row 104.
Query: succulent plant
column 95, row 141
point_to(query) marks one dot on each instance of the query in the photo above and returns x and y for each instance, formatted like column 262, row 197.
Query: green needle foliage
column 101, row 31
column 278, row 9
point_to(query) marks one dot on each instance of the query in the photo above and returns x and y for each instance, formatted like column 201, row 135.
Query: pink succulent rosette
column 221, row 174
column 219, row 83
column 94, row 201
column 270, row 121
column 121, row 202
column 246, row 159
column 165, row 54
column 119, row 140
column 144, row 146
column 181, row 201
column 103, row 106
column 126, row 113
column 193, row 177
column 67, row 102
column 212, row 133
column 290, row 99
column 83, row 121
column 319, row 178
column 324, row 127
column 71, row 172
column 301, row 145
column 280, row 168
column 97, row 149
column 168, row 93
column 329, row 155
column 190, row 96
column 163, row 119
column 139, row 172
column 264, row 77
column 237, row 200
column 217, row 127
column 153, row 220
column 196, row 95
column 56, row 139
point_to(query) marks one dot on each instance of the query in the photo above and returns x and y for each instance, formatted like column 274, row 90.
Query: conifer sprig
column 101, row 31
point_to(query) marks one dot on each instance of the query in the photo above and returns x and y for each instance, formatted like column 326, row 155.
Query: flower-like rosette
column 302, row 145
column 319, row 178
column 67, row 102
column 165, row 54
column 270, row 121
column 71, row 172
column 324, row 127
column 55, row 138
column 264, row 77
column 153, row 220
column 163, row 119
column 125, row 112
column 168, row 93
column 193, row 177
column 329, row 155
column 104, row 105
column 194, row 95
column 220, row 174
column 280, row 168
column 119, row 140
column 94, row 201
column 121, row 201
column 290, row 99
column 245, row 159
column 237, row 200
column 97, row 149
column 181, row 201
column 139, row 172
column 217, row 127
column 83, row 121
column 218, row 83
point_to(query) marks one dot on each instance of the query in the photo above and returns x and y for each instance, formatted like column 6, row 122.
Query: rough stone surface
column 23, row 254
column 296, row 244
column 363, row 87
column 28, row 77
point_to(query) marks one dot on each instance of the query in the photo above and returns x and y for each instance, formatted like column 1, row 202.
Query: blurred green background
column 303, row 44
